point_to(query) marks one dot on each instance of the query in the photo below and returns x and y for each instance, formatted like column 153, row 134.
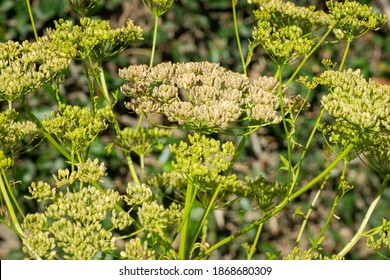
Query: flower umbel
column 71, row 223
column 361, row 103
column 12, row 132
column 287, row 31
column 95, row 38
column 353, row 19
column 25, row 67
column 200, row 95
column 361, row 108
column 77, row 127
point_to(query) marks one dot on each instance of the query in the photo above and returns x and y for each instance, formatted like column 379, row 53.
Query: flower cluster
column 95, row 38
column 27, row 66
column 5, row 162
column 76, row 223
column 361, row 103
column 203, row 162
column 299, row 254
column 361, row 108
column 266, row 194
column 285, row 30
column 38, row 243
column 353, row 19
column 156, row 219
column 88, row 171
column 77, row 127
column 381, row 239
column 135, row 249
column 41, row 191
column 88, row 205
column 73, row 224
column 200, row 95
column 142, row 140
column 12, row 132
column 286, row 12
column 138, row 194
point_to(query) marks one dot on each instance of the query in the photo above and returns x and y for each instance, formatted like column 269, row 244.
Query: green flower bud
column 158, row 7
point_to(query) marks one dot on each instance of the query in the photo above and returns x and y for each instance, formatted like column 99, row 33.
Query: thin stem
column 331, row 213
column 131, row 167
column 154, row 41
column 90, row 86
column 30, row 13
column 186, row 219
column 367, row 217
column 296, row 175
column 255, row 242
column 311, row 52
column 286, row 201
column 307, row 216
column 286, row 130
column 103, row 86
column 244, row 65
column 339, row 158
column 10, row 208
column 43, row 131
column 345, row 54
column 206, row 213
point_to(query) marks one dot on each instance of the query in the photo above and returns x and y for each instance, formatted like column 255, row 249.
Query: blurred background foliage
column 203, row 30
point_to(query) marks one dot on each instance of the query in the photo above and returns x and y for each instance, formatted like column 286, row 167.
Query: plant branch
column 244, row 65
column 303, row 62
column 30, row 13
column 286, row 201
column 367, row 217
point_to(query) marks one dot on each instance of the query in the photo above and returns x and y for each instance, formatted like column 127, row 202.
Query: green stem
column 255, row 242
column 132, row 168
column 186, row 218
column 286, row 201
column 339, row 158
column 331, row 213
column 206, row 213
column 155, row 31
column 43, row 131
column 307, row 216
column 286, row 130
column 345, row 54
column 296, row 175
column 367, row 217
column 11, row 193
column 103, row 86
column 311, row 52
column 90, row 85
column 154, row 41
column 30, row 13
column 10, row 208
column 244, row 65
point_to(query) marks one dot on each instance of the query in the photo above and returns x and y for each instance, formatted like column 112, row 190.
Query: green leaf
column 298, row 212
column 286, row 163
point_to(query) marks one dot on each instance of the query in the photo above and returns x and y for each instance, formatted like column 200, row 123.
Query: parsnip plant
column 82, row 216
